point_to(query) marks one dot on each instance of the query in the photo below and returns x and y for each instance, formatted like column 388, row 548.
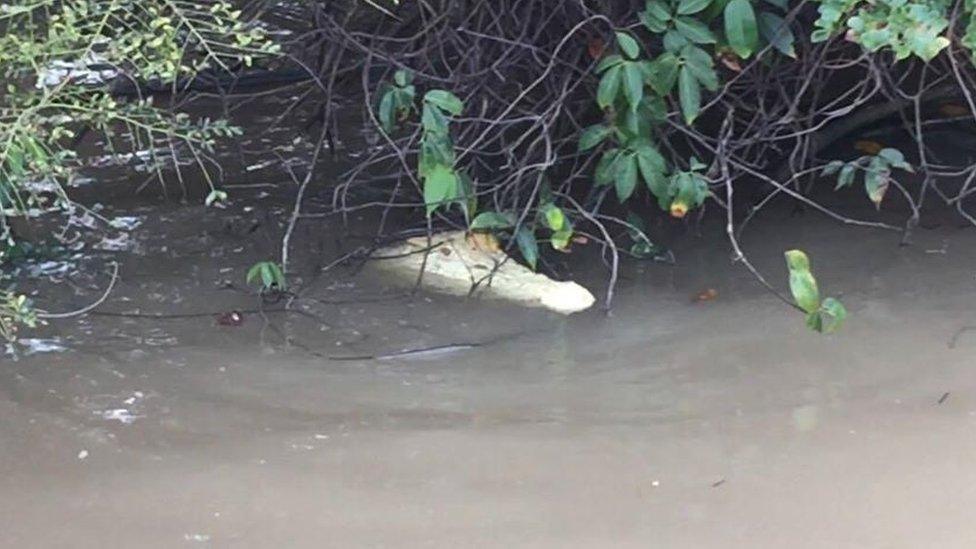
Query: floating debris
column 126, row 223
column 33, row 346
column 122, row 415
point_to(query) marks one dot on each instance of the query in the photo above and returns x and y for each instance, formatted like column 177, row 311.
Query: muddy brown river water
column 669, row 423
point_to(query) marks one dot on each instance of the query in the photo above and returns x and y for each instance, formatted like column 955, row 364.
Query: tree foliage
column 541, row 120
column 59, row 61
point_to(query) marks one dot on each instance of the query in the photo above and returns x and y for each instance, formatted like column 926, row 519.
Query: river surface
column 670, row 422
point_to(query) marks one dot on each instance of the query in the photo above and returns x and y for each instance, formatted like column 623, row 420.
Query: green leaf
column 636, row 123
column 555, row 218
column 528, row 246
column 652, row 23
column 694, row 30
column 445, row 100
column 433, row 120
column 628, row 45
column 253, row 273
column 633, row 80
column 674, row 41
column 689, row 95
column 440, row 187
column 689, row 190
column 386, row 111
column 607, row 62
column 268, row 273
column 775, row 30
column 876, row 180
column 593, row 136
column 650, row 158
column 781, row 4
column 605, row 168
column 740, row 27
column 642, row 248
column 658, row 9
column 466, row 197
column 609, row 87
column 433, row 151
column 492, row 220
column 815, row 321
column 654, row 109
column 401, row 77
column 625, row 177
column 833, row 314
column 820, row 35
column 664, row 73
column 803, row 285
column 715, row 9
column 701, row 65
column 688, row 7
column 277, row 275
column 846, row 176
column 560, row 239
column 895, row 159
column 652, row 168
column 832, row 167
